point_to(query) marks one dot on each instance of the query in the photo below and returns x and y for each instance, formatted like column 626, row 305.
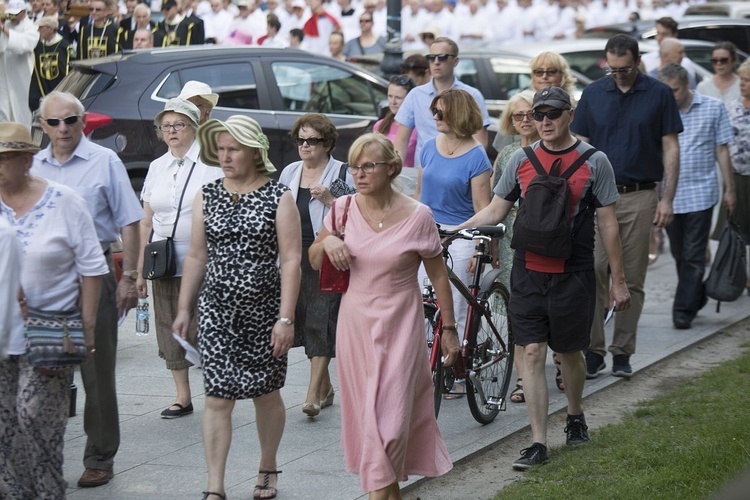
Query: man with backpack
column 552, row 282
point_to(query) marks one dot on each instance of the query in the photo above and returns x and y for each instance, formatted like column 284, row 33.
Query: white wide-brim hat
column 195, row 88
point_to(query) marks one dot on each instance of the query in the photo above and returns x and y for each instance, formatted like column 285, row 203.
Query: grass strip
column 688, row 443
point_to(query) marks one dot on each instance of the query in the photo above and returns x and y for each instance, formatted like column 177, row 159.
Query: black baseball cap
column 168, row 4
column 552, row 96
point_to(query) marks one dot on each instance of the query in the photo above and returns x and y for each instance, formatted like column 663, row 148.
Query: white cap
column 15, row 6
column 195, row 88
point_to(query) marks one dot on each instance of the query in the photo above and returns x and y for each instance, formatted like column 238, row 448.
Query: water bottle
column 141, row 318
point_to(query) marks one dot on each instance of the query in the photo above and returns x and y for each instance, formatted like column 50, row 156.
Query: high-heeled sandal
column 310, row 409
column 328, row 400
column 259, row 489
column 207, row 494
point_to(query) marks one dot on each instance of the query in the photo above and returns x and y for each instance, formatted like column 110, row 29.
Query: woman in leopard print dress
column 241, row 225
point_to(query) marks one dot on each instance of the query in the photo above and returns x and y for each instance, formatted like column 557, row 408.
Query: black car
column 123, row 93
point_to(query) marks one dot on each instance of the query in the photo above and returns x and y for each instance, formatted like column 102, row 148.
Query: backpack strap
column 579, row 161
column 566, row 175
column 534, row 160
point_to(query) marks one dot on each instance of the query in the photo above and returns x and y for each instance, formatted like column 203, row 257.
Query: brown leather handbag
column 331, row 280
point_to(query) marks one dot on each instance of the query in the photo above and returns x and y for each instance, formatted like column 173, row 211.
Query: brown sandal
column 517, row 396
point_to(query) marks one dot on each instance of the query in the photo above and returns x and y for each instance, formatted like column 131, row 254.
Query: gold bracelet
column 453, row 327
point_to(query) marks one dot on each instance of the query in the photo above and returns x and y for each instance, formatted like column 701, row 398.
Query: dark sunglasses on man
column 439, row 57
column 68, row 120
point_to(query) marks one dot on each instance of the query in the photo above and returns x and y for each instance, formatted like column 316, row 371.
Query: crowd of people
column 248, row 249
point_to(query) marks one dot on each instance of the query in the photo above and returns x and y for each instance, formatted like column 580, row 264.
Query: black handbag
column 159, row 257
column 54, row 339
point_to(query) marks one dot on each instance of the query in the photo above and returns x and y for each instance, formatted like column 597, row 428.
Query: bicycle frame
column 461, row 368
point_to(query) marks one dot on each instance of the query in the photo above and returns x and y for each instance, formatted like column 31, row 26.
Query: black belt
column 632, row 188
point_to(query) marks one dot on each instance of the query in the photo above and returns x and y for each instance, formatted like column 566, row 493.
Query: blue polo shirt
column 629, row 126
column 415, row 112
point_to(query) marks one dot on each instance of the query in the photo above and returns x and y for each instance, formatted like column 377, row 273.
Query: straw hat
column 181, row 106
column 15, row 137
column 245, row 130
column 195, row 88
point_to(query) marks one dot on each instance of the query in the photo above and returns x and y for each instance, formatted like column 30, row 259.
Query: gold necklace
column 450, row 153
column 385, row 214
column 235, row 196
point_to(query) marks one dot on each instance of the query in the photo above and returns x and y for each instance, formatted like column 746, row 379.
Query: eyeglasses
column 519, row 117
column 68, row 120
column 164, row 127
column 402, row 80
column 95, row 9
column 719, row 60
column 552, row 114
column 438, row 113
column 439, row 57
column 311, row 141
column 363, row 21
column 618, row 71
column 367, row 168
column 548, row 72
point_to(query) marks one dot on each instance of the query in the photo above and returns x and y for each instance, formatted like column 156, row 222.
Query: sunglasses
column 552, row 114
column 164, row 127
column 438, row 113
column 719, row 60
column 367, row 168
column 311, row 141
column 402, row 80
column 519, row 117
column 439, row 57
column 548, row 72
column 68, row 120
column 95, row 9
column 619, row 71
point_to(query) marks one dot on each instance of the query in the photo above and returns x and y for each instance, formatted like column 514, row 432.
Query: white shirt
column 218, row 25
column 59, row 245
column 16, row 67
column 11, row 321
column 162, row 189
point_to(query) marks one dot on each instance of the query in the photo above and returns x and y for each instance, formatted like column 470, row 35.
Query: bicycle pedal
column 496, row 404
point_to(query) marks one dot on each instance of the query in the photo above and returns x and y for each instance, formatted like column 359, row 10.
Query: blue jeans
column 688, row 239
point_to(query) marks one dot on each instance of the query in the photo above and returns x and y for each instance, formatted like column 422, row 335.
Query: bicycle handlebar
column 472, row 233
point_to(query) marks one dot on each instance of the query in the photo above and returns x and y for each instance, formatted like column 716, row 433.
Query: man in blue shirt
column 634, row 119
column 415, row 110
column 98, row 175
column 703, row 143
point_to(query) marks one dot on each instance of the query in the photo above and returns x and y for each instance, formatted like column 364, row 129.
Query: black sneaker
column 536, row 454
column 576, row 430
column 621, row 366
column 594, row 364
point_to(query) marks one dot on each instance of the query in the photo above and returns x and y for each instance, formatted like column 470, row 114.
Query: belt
column 632, row 188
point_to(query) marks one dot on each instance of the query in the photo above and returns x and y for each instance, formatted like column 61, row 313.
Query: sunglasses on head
column 401, row 80
column 69, row 120
column 438, row 113
column 719, row 60
column 439, row 57
column 311, row 141
column 548, row 72
column 552, row 114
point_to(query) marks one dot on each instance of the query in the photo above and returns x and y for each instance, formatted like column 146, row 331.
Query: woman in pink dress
column 388, row 422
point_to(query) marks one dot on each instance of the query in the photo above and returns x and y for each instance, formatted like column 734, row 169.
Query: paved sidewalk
column 161, row 459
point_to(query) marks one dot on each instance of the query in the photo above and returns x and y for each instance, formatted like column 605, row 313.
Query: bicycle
column 486, row 357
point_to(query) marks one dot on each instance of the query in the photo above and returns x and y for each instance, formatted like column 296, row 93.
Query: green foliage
column 686, row 444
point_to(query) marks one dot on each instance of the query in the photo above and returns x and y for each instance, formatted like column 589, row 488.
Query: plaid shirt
column 706, row 127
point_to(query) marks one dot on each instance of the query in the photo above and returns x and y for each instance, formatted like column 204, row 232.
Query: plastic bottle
column 141, row 318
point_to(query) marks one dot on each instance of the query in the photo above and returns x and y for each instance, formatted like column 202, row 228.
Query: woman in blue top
column 454, row 180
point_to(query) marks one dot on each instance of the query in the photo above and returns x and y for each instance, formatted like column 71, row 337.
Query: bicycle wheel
column 491, row 361
column 431, row 316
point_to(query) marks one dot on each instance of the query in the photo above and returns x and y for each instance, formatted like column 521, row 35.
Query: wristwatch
column 133, row 275
column 288, row 321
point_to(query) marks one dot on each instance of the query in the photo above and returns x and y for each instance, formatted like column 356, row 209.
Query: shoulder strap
column 333, row 217
column 579, row 161
column 342, row 172
column 182, row 196
column 346, row 214
column 534, row 160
